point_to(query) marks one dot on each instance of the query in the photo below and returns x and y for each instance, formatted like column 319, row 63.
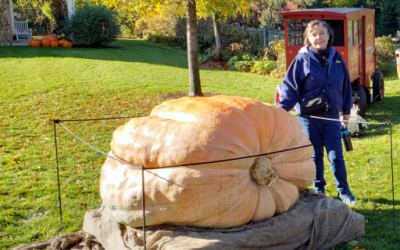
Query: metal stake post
column 143, row 209
column 58, row 172
column 391, row 164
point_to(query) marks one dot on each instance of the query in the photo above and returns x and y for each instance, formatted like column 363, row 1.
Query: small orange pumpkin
column 61, row 42
column 30, row 43
column 67, row 44
column 54, row 44
column 46, row 43
column 36, row 43
column 50, row 37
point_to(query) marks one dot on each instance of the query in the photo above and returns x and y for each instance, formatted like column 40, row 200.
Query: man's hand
column 345, row 119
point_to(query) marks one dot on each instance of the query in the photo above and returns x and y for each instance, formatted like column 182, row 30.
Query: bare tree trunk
column 217, row 33
column 59, row 10
column 193, row 62
column 5, row 25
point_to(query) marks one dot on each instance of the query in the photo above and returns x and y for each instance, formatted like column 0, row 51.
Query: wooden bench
column 21, row 29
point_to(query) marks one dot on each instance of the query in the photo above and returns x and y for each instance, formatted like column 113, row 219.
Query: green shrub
column 242, row 66
column 242, row 62
column 93, row 25
column 384, row 51
column 277, row 49
column 263, row 67
column 153, row 36
column 169, row 30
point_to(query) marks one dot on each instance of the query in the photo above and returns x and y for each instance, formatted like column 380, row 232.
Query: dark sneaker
column 348, row 198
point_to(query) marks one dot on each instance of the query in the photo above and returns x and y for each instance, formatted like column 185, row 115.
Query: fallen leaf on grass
column 353, row 243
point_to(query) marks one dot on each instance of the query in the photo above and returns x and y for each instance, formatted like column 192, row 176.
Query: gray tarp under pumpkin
column 314, row 222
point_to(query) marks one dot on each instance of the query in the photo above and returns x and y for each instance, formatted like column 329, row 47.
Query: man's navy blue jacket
column 305, row 78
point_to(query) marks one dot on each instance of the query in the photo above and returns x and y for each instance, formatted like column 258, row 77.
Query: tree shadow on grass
column 125, row 50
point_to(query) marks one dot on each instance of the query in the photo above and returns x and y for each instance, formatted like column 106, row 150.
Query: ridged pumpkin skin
column 50, row 38
column 219, row 195
column 67, row 44
column 54, row 44
column 36, row 43
column 46, row 43
column 61, row 42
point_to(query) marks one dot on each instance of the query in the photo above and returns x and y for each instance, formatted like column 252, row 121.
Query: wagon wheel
column 359, row 103
column 277, row 95
column 378, row 86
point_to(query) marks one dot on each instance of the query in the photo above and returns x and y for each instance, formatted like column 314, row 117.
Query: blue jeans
column 322, row 133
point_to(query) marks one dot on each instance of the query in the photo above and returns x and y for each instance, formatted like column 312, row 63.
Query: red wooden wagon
column 354, row 30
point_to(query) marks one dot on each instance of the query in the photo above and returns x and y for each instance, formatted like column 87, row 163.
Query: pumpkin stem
column 262, row 172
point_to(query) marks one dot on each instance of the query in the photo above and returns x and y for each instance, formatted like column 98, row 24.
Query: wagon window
column 360, row 30
column 338, row 31
column 350, row 33
column 355, row 32
column 295, row 30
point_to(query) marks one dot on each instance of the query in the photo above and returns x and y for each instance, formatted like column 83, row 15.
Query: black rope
column 58, row 172
column 386, row 124
column 391, row 163
column 265, row 154
column 98, row 151
column 143, row 210
column 100, row 119
column 210, row 162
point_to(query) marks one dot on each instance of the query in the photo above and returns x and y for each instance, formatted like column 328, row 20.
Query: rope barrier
column 100, row 119
column 202, row 163
column 95, row 149
column 207, row 162
column 338, row 120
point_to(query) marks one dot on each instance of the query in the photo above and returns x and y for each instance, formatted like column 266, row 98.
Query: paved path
column 22, row 42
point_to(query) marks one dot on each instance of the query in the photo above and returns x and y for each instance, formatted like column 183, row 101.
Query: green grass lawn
column 39, row 84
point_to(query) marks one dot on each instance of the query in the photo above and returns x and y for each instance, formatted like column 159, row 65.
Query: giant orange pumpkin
column 50, row 37
column 46, row 43
column 219, row 195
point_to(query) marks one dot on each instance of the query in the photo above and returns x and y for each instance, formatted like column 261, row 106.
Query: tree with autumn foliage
column 192, row 10
column 270, row 11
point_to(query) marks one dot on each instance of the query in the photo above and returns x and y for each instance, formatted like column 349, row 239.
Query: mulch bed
column 220, row 64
